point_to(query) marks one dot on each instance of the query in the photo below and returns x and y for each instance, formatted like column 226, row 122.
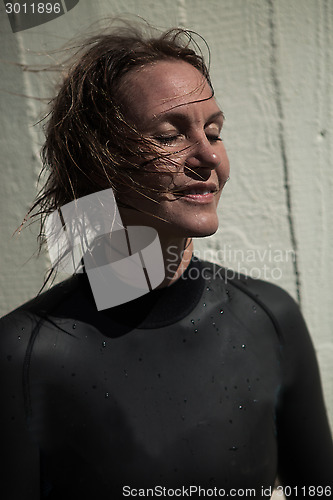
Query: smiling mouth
column 196, row 195
column 196, row 192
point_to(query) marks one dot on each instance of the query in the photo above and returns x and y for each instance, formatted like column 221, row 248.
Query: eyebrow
column 177, row 116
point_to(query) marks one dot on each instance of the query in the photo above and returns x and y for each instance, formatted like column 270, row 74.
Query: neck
column 177, row 251
column 177, row 255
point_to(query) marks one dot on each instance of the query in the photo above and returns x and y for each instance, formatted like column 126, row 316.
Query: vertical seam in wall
column 281, row 134
column 321, row 103
column 182, row 14
column 63, row 5
column 31, row 107
column 32, row 114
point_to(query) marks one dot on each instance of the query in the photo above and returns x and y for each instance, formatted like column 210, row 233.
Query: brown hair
column 85, row 150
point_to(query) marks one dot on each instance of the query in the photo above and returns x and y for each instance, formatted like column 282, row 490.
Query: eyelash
column 166, row 139
column 214, row 138
column 169, row 139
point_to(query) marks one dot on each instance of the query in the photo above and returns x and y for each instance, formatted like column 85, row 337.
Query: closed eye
column 213, row 137
column 167, row 139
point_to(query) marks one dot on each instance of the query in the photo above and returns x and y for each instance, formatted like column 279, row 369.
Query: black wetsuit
column 210, row 382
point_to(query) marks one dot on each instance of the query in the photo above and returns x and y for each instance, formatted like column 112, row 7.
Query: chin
column 202, row 228
column 201, row 232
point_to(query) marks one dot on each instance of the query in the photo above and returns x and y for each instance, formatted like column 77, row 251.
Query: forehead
column 163, row 86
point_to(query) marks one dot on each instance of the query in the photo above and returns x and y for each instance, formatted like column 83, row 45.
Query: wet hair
column 84, row 150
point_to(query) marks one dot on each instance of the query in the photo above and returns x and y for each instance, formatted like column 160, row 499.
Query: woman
column 206, row 382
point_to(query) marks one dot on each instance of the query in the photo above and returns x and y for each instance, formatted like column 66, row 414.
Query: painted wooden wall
column 273, row 75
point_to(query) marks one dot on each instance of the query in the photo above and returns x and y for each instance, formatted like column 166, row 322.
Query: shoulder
column 51, row 302
column 16, row 327
column 276, row 302
column 296, row 351
column 265, row 291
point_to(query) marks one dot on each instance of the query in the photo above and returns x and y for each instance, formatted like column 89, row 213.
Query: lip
column 199, row 198
column 204, row 192
column 199, row 187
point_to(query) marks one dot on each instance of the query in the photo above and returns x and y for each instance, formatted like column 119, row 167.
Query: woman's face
column 171, row 104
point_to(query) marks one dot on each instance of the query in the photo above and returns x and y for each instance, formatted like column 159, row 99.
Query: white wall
column 272, row 70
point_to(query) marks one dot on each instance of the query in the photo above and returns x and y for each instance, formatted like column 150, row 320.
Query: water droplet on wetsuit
column 74, row 326
column 233, row 448
column 104, row 344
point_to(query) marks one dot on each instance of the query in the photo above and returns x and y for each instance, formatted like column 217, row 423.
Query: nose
column 203, row 154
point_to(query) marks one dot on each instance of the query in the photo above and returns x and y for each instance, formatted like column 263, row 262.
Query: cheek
column 223, row 170
column 148, row 189
column 158, row 177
